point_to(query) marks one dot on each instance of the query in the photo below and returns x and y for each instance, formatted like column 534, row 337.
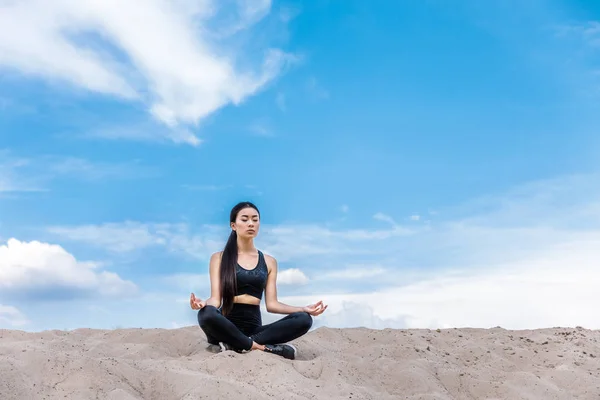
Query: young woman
column 239, row 275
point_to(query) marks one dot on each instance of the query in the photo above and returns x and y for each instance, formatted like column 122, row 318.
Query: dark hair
column 229, row 260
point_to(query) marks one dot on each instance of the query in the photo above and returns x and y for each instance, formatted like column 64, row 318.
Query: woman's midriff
column 246, row 299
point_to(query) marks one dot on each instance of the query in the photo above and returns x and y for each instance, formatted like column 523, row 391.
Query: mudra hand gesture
column 196, row 303
column 315, row 309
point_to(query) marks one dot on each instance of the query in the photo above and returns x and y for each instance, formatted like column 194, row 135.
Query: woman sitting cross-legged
column 239, row 274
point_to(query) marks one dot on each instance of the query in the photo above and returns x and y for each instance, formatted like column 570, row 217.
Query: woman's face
column 246, row 223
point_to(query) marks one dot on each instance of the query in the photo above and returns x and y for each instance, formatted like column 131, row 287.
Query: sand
column 332, row 364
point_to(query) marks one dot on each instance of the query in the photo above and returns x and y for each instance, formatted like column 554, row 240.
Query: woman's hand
column 196, row 303
column 315, row 309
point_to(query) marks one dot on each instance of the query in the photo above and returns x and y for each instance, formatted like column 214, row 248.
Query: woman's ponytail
column 227, row 272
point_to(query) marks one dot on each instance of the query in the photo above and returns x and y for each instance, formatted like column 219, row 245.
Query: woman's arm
column 215, row 280
column 274, row 305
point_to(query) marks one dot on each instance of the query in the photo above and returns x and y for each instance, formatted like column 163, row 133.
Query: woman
column 239, row 274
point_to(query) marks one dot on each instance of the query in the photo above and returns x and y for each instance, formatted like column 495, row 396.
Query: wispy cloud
column 261, row 128
column 11, row 177
column 33, row 174
column 88, row 170
column 280, row 101
column 385, row 218
column 12, row 107
column 356, row 314
column 527, row 220
column 131, row 236
column 124, row 237
column 286, row 242
column 582, row 38
column 525, row 259
column 11, row 316
column 207, row 188
column 588, row 31
column 143, row 133
column 171, row 59
column 238, row 15
column 556, row 287
column 316, row 90
column 188, row 281
column 288, row 13
column 353, row 272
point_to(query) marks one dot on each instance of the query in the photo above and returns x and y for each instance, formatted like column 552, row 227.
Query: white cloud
column 261, row 128
column 85, row 169
column 241, row 14
column 171, row 58
column 143, row 133
column 589, row 31
column 128, row 236
column 34, row 174
column 384, row 217
column 415, row 217
column 200, row 283
column 293, row 242
column 44, row 268
column 11, row 179
column 280, row 101
column 15, row 107
column 526, row 259
column 292, row 276
column 356, row 315
column 5, row 103
column 527, row 221
column 131, row 236
column 315, row 89
column 353, row 272
column 288, row 13
column 284, row 242
column 189, row 282
column 11, row 317
column 557, row 287
column 177, row 325
column 208, row 188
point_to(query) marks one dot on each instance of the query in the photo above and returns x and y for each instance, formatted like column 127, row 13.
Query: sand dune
column 332, row 364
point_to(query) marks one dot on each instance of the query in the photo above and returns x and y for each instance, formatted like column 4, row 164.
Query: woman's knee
column 305, row 321
column 207, row 315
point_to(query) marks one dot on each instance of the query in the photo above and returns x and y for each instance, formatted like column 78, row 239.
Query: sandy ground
column 332, row 364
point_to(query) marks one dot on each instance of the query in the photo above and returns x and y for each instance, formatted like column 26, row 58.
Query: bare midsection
column 246, row 299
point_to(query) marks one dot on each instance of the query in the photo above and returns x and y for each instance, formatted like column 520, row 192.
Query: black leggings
column 243, row 325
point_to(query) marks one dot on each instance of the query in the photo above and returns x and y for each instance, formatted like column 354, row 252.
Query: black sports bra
column 253, row 281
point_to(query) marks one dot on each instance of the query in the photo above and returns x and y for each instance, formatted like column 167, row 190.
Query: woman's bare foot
column 256, row 346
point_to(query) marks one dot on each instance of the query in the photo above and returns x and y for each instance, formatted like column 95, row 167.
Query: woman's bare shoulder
column 216, row 257
column 269, row 259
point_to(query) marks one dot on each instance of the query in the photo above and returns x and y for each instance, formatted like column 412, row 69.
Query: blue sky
column 416, row 164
